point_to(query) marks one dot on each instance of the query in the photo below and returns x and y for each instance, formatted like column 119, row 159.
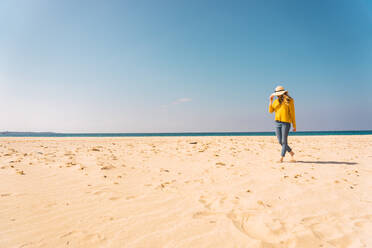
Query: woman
column 284, row 116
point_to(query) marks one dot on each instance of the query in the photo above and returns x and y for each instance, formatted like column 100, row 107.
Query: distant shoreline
column 183, row 134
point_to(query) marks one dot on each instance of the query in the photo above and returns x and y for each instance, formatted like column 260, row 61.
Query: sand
column 173, row 192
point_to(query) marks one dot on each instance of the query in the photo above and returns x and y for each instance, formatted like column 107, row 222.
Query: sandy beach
column 185, row 192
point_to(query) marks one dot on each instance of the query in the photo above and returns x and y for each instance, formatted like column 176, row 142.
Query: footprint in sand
column 220, row 164
column 114, row 198
column 260, row 226
column 77, row 238
column 20, row 172
column 335, row 230
column 219, row 204
column 108, row 167
column 200, row 214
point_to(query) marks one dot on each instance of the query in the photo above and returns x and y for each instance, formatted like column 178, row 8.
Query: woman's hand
column 271, row 97
column 294, row 130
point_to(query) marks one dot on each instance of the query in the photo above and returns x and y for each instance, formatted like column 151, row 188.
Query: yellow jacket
column 284, row 112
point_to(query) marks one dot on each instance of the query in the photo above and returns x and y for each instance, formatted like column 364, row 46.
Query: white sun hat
column 279, row 90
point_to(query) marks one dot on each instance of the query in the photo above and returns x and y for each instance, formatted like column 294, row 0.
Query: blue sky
column 176, row 66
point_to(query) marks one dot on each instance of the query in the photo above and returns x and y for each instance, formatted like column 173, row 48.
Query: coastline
column 182, row 134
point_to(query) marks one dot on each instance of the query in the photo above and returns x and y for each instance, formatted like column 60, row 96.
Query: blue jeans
column 282, row 130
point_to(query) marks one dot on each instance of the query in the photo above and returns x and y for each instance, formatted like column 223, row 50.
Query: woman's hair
column 285, row 98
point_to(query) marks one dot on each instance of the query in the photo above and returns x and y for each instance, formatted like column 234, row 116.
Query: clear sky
column 177, row 66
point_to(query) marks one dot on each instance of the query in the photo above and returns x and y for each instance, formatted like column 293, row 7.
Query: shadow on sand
column 326, row 162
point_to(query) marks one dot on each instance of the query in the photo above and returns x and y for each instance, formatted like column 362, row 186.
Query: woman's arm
column 271, row 109
column 293, row 115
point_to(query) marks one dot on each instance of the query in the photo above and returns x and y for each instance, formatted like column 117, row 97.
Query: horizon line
column 182, row 132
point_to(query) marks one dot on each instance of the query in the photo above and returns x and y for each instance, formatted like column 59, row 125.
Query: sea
column 184, row 134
